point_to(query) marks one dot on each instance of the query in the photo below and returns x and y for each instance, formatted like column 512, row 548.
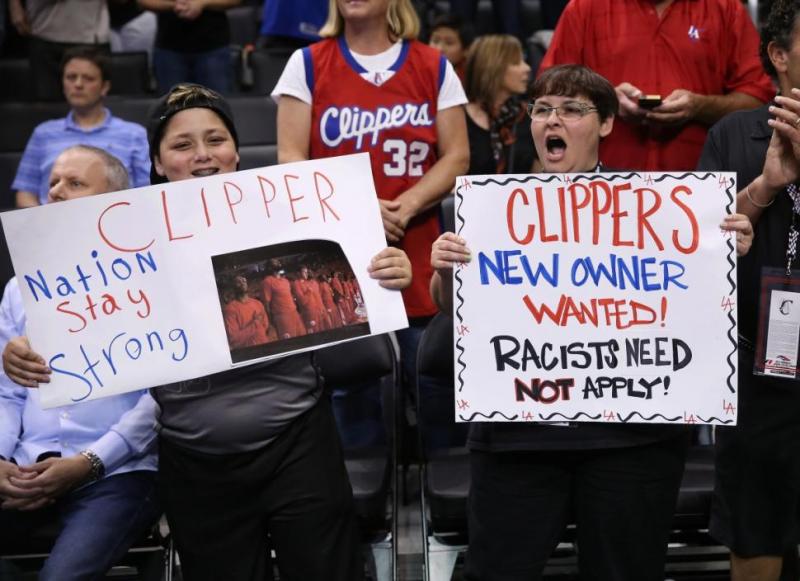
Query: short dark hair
column 465, row 31
column 778, row 28
column 97, row 56
column 574, row 80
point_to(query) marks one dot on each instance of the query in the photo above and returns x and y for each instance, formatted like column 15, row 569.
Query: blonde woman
column 370, row 86
column 497, row 82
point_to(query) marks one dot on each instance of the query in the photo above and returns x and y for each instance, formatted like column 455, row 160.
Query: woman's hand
column 740, row 224
column 782, row 164
column 449, row 249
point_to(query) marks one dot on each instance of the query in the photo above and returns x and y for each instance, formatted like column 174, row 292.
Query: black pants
column 757, row 468
column 621, row 499
column 221, row 507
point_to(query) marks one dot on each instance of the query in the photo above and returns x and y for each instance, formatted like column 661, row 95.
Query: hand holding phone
column 650, row 101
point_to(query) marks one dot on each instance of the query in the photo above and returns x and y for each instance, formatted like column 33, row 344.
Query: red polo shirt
column 708, row 47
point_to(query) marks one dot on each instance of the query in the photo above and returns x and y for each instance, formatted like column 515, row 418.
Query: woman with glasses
column 496, row 83
column 617, row 482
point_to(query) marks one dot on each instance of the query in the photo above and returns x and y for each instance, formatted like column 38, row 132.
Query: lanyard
column 791, row 244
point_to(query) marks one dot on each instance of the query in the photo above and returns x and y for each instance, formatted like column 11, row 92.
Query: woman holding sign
column 254, row 450
column 618, row 482
column 370, row 86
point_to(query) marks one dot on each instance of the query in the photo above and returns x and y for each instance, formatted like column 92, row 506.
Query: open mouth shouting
column 568, row 138
column 556, row 148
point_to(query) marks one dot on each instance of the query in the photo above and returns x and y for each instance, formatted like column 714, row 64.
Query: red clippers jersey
column 395, row 122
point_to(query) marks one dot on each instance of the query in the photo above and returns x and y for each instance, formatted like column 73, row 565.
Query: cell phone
column 649, row 101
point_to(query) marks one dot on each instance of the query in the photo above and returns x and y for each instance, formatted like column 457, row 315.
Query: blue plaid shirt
column 123, row 139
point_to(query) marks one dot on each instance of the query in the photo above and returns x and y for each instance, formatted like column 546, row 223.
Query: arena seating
column 530, row 14
column 9, row 162
column 130, row 74
column 15, row 75
column 244, row 22
column 266, row 67
column 362, row 376
column 444, row 472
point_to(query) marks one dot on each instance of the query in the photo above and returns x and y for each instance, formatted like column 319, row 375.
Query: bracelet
column 752, row 201
column 98, row 469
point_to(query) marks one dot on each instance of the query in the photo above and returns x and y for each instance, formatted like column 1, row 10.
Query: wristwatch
column 98, row 469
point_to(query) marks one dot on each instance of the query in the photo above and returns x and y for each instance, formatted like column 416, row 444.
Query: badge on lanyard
column 778, row 324
column 778, row 343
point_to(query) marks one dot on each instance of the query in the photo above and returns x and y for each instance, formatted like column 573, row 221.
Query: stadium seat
column 9, row 162
column 448, row 216
column 256, row 119
column 239, row 81
column 267, row 66
column 362, row 376
column 537, row 47
column 244, row 22
column 444, row 469
column 15, row 74
column 253, row 156
column 6, row 268
column 134, row 109
column 531, row 15
column 20, row 119
column 691, row 548
column 130, row 73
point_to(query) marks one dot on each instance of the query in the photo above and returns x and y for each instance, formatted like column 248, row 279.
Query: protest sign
column 602, row 298
column 175, row 281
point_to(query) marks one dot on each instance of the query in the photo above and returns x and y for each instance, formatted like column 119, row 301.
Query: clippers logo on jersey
column 346, row 123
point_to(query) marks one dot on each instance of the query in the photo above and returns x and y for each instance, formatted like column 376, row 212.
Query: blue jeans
column 212, row 69
column 358, row 410
column 408, row 340
column 97, row 524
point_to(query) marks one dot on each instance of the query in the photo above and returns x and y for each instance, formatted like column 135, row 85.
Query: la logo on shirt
column 377, row 78
column 694, row 32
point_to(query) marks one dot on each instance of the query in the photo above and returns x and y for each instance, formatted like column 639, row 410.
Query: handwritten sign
column 165, row 283
column 596, row 298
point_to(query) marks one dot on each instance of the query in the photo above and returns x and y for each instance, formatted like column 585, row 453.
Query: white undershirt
column 293, row 78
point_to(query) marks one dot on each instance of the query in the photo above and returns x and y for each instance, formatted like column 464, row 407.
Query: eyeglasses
column 571, row 111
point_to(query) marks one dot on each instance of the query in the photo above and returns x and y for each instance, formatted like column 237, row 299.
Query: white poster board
column 127, row 290
column 596, row 298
